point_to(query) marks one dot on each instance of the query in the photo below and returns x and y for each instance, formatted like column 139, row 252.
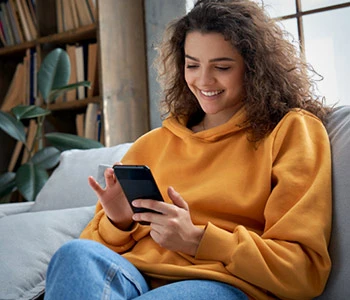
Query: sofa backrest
column 338, row 128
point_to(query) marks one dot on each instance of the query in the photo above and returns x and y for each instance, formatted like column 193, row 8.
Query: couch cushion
column 338, row 129
column 68, row 186
column 28, row 241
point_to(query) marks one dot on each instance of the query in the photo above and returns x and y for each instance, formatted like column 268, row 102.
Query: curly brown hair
column 277, row 79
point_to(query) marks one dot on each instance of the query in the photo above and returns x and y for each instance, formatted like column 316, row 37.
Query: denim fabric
column 83, row 269
column 195, row 290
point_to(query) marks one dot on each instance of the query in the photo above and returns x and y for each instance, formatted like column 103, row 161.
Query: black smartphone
column 137, row 182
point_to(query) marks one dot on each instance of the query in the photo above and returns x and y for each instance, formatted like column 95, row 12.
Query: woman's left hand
column 172, row 228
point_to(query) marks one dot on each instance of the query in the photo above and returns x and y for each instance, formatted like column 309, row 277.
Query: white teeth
column 211, row 93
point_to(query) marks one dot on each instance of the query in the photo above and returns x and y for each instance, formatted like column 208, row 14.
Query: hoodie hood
column 178, row 127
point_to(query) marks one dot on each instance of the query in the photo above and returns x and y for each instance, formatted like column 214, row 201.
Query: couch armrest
column 15, row 208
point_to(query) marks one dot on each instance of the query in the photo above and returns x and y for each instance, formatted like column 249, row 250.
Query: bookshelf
column 122, row 95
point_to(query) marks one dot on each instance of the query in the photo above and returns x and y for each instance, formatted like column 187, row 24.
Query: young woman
column 243, row 162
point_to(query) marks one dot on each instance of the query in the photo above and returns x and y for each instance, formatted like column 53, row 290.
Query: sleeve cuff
column 114, row 236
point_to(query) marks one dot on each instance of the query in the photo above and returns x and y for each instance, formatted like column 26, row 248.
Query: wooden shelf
column 71, row 36
column 16, row 48
column 119, row 33
column 72, row 105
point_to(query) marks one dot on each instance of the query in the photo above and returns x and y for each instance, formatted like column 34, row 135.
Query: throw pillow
column 28, row 242
column 68, row 186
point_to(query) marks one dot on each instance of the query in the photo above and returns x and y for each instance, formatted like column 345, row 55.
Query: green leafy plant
column 31, row 176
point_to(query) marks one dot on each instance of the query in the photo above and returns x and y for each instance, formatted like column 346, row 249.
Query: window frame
column 299, row 14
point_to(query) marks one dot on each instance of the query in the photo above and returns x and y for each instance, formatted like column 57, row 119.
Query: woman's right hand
column 113, row 200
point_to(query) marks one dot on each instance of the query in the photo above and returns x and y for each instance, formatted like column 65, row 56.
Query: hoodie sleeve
column 100, row 229
column 290, row 258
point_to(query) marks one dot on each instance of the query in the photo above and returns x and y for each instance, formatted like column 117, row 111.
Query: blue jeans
column 83, row 269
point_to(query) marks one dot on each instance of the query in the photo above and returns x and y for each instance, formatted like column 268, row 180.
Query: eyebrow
column 211, row 60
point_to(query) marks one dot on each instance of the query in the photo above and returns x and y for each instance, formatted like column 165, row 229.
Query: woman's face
column 214, row 72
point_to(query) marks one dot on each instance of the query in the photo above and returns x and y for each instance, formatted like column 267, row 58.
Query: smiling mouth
column 211, row 93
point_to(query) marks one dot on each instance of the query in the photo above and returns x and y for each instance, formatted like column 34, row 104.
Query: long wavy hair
column 277, row 79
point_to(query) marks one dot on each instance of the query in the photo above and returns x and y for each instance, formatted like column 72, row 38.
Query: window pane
column 190, row 5
column 327, row 49
column 291, row 26
column 278, row 8
column 313, row 4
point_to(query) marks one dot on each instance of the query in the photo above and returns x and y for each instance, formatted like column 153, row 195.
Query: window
column 323, row 29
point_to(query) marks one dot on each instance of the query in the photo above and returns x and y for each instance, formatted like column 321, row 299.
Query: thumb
column 176, row 198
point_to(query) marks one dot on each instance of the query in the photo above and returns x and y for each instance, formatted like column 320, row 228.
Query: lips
column 211, row 93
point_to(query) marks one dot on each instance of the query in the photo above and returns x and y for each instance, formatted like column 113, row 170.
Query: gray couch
column 31, row 232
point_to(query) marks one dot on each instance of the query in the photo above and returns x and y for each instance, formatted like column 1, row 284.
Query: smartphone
column 137, row 182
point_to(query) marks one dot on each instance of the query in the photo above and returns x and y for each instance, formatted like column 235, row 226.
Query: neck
column 214, row 120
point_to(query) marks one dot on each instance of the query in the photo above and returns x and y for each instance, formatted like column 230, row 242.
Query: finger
column 109, row 177
column 148, row 217
column 176, row 198
column 154, row 205
column 95, row 186
column 118, row 163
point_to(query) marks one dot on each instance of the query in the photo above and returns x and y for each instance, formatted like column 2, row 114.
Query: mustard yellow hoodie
column 266, row 209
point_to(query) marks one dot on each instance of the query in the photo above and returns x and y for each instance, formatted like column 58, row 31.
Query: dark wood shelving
column 72, row 105
column 71, row 36
column 9, row 50
column 74, row 35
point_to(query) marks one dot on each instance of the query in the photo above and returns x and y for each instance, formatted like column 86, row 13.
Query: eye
column 222, row 68
column 191, row 66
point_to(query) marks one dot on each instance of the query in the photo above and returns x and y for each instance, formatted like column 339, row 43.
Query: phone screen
column 137, row 182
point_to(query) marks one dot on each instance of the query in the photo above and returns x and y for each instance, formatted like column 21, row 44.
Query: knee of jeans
column 76, row 250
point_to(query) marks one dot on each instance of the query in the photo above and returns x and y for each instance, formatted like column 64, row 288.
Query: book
column 67, row 16
column 79, row 122
column 32, row 11
column 14, row 95
column 6, row 24
column 72, row 94
column 32, row 128
column 23, row 21
column 13, row 9
column 59, row 16
column 15, row 155
column 13, row 24
column 92, row 69
column 2, row 34
column 83, row 13
column 92, row 8
column 74, row 14
column 79, row 56
column 26, row 89
column 18, row 18
column 30, row 21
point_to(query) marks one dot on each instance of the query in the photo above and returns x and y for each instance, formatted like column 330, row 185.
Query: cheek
column 189, row 78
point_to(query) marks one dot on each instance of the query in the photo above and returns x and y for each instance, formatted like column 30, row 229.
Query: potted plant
column 30, row 177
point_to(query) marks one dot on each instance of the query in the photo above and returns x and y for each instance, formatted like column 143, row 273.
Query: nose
column 206, row 77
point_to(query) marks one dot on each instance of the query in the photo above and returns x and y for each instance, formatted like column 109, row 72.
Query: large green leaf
column 30, row 180
column 59, row 91
column 66, row 141
column 46, row 158
column 12, row 127
column 7, row 183
column 54, row 72
column 29, row 111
